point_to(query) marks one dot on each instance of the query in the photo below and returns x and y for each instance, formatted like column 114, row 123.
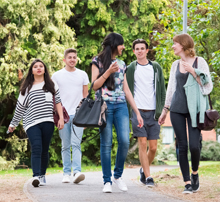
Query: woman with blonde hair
column 188, row 87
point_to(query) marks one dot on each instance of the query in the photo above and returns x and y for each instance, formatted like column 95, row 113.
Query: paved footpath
column 90, row 190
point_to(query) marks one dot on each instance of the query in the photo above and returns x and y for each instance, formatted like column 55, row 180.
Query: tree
column 29, row 29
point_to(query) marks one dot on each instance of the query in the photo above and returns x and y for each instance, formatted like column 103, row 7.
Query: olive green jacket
column 159, row 85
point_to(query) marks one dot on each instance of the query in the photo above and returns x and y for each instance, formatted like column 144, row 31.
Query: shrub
column 210, row 151
column 167, row 153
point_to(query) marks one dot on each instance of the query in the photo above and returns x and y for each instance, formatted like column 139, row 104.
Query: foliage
column 13, row 153
column 167, row 153
column 93, row 20
column 210, row 151
column 8, row 165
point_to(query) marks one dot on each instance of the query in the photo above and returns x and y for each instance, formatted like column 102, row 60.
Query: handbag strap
column 90, row 91
column 196, row 67
column 82, row 141
column 54, row 103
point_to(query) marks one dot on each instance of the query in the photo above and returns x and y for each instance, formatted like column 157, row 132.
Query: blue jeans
column 39, row 136
column 69, row 140
column 117, row 114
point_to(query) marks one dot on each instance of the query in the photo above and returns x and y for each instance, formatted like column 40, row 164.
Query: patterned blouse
column 117, row 95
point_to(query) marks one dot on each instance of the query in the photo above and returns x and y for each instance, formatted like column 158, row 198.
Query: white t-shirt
column 144, row 92
column 71, row 87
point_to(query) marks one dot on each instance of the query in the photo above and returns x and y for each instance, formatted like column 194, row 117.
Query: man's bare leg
column 152, row 150
column 143, row 156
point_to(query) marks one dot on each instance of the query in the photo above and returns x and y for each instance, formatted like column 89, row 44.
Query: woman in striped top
column 35, row 106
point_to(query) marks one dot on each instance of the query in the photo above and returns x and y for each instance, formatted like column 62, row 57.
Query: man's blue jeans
column 69, row 140
column 117, row 114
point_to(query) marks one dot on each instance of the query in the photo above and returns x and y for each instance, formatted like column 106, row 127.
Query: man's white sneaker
column 78, row 177
column 66, row 179
column 121, row 185
column 107, row 188
column 36, row 181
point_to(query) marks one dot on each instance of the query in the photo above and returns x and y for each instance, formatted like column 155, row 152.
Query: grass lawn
column 202, row 163
column 28, row 172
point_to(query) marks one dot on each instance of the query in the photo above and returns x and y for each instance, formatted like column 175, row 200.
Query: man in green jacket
column 146, row 82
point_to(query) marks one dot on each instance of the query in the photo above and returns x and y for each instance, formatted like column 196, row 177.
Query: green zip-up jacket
column 159, row 85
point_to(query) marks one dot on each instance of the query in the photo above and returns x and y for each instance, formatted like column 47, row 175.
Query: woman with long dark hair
column 109, row 73
column 188, row 87
column 35, row 106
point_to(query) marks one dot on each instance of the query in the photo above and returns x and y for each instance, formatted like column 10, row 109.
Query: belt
column 145, row 110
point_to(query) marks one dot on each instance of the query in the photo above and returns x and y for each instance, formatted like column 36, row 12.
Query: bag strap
column 90, row 91
column 54, row 103
column 82, row 141
column 196, row 67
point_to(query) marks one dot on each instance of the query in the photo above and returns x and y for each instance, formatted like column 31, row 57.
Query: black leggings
column 179, row 124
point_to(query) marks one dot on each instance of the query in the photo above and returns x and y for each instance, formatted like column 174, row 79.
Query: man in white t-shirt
column 146, row 82
column 73, row 86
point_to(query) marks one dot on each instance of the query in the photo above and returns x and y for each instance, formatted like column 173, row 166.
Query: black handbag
column 91, row 113
column 211, row 115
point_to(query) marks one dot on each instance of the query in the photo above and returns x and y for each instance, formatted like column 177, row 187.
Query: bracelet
column 103, row 77
column 196, row 76
column 166, row 108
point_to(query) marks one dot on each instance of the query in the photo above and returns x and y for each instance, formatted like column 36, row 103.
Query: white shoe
column 36, row 181
column 121, row 185
column 107, row 188
column 78, row 177
column 42, row 180
column 66, row 179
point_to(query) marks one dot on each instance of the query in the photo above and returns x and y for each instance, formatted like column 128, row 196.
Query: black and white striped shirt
column 35, row 107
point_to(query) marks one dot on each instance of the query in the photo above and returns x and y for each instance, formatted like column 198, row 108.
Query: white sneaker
column 78, row 177
column 42, row 180
column 36, row 181
column 121, row 185
column 107, row 188
column 66, row 179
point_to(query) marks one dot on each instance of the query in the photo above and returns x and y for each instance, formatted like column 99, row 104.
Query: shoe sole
column 194, row 191
column 107, row 191
column 36, row 183
column 65, row 181
column 187, row 192
column 79, row 179
column 142, row 183
column 150, row 186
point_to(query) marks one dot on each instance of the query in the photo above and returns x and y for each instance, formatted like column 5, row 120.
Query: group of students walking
column 137, row 91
